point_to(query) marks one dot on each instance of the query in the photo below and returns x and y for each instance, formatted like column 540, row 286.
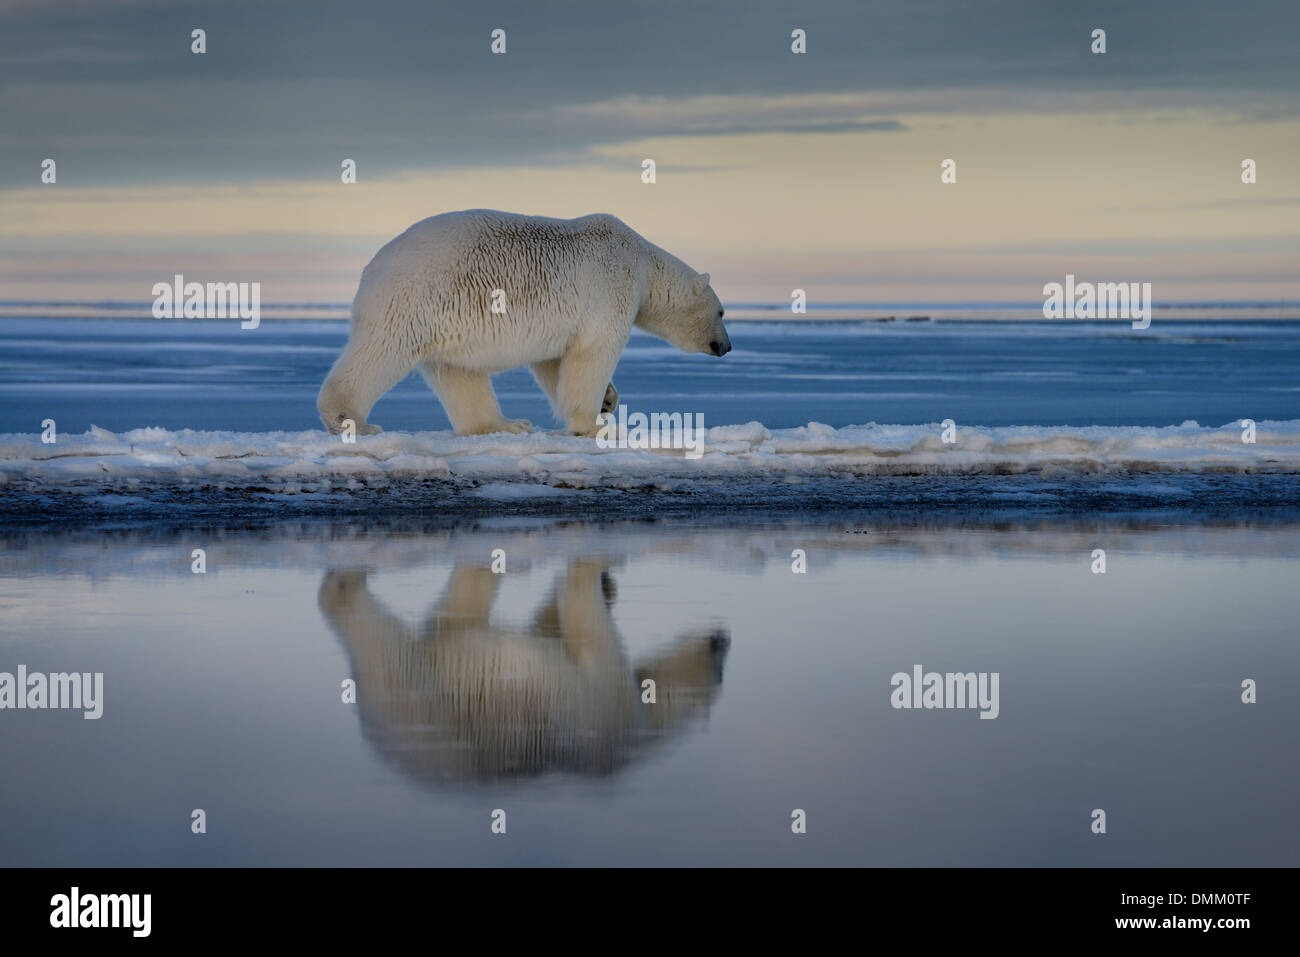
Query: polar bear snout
column 719, row 341
column 719, row 645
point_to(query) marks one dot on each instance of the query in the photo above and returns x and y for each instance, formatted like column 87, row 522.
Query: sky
column 774, row 170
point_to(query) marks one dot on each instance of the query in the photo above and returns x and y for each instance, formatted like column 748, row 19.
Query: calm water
column 121, row 374
column 522, row 692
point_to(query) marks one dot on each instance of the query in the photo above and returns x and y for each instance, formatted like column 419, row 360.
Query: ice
column 502, row 491
column 278, row 460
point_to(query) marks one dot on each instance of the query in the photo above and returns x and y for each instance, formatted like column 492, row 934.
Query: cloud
column 240, row 148
column 722, row 114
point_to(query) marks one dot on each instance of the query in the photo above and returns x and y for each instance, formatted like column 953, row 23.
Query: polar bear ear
column 701, row 283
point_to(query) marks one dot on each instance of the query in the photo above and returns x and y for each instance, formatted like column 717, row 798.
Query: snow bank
column 292, row 461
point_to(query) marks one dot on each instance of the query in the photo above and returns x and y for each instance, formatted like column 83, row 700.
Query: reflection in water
column 1120, row 691
column 463, row 698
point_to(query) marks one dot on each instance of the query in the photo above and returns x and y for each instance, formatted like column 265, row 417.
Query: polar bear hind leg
column 362, row 374
column 469, row 400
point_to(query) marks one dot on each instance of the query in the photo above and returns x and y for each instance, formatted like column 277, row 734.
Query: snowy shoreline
column 151, row 474
column 560, row 460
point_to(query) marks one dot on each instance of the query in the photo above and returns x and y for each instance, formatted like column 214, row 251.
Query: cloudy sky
column 775, row 170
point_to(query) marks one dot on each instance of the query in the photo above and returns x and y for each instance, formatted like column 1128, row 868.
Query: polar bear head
column 681, row 307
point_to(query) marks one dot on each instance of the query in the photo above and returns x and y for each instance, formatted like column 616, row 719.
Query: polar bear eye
column 721, row 312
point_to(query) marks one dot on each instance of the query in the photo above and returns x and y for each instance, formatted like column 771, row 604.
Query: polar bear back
column 433, row 288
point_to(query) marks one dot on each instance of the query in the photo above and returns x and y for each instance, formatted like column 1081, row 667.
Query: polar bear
column 463, row 697
column 463, row 295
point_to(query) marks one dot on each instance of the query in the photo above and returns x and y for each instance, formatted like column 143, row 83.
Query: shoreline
column 1184, row 498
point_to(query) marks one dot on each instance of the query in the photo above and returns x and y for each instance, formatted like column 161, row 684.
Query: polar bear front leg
column 469, row 400
column 547, row 374
column 585, row 385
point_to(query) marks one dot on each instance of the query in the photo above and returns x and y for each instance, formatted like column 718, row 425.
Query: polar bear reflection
column 463, row 698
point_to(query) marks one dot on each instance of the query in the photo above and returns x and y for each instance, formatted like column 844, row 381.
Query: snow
column 504, row 465
column 504, row 491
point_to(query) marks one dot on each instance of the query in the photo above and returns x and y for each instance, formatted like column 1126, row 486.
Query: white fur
column 573, row 290
column 465, row 696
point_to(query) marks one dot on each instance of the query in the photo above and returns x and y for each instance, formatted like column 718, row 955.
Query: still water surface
column 523, row 692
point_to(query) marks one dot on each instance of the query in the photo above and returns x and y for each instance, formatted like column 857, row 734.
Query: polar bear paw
column 516, row 426
column 342, row 423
